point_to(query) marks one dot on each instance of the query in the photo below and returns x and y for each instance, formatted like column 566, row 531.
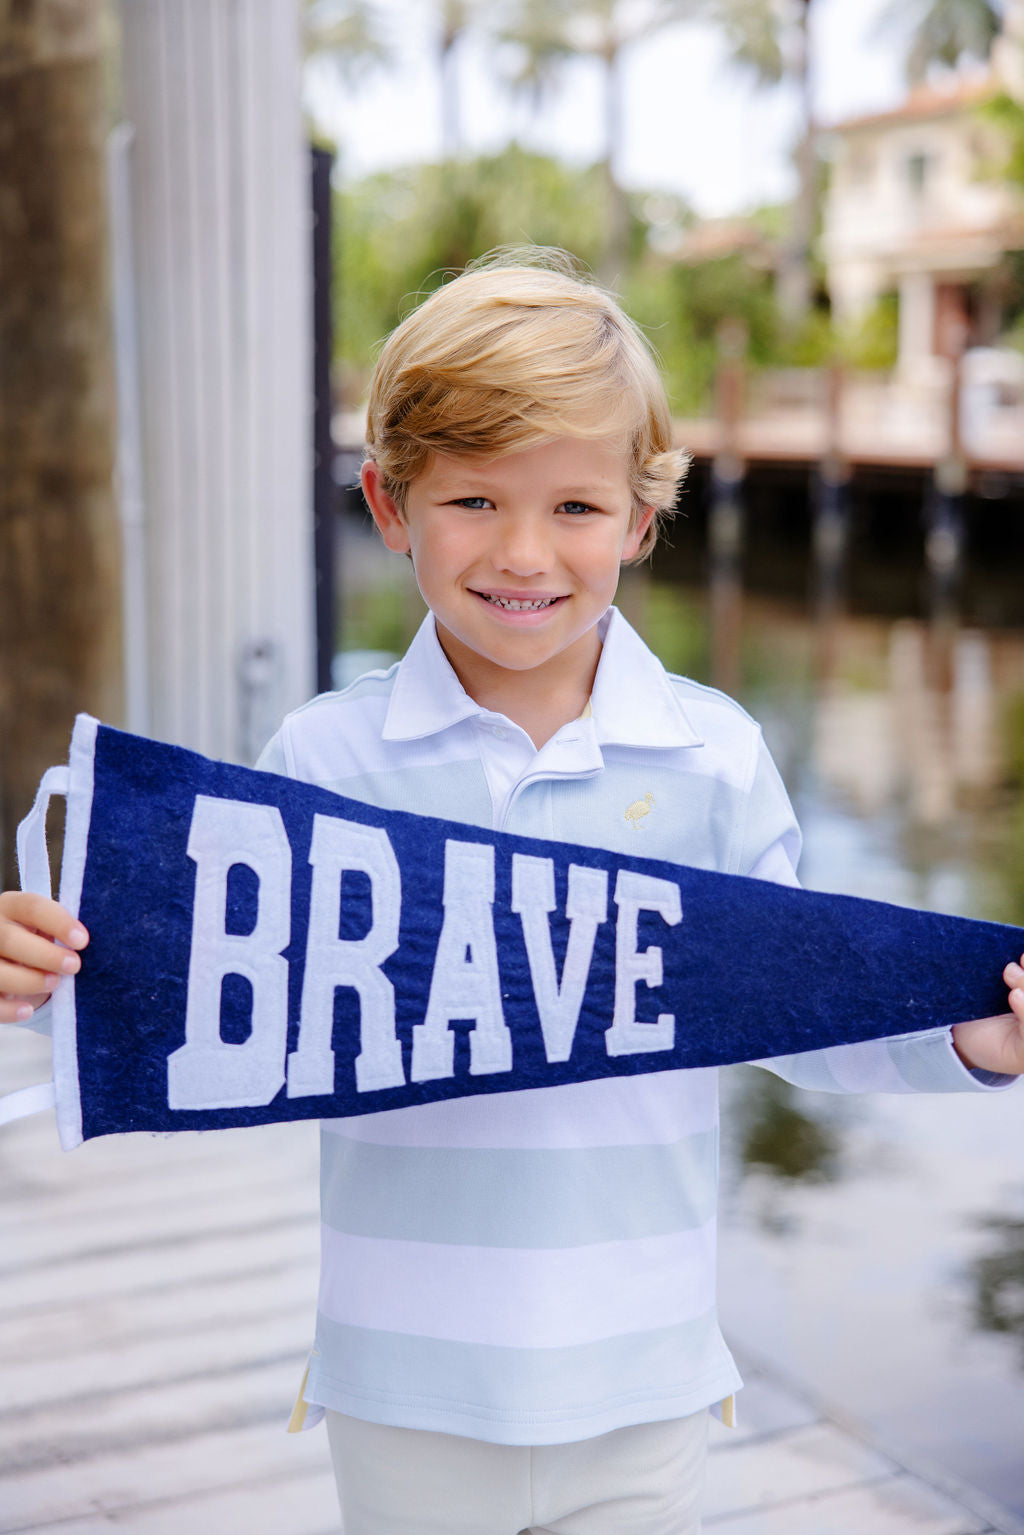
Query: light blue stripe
column 807, row 1069
column 454, row 790
column 518, row 1198
column 520, row 1396
column 928, row 1064
column 692, row 818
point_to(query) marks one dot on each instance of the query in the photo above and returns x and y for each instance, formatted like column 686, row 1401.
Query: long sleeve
column 41, row 1021
column 273, row 759
column 924, row 1062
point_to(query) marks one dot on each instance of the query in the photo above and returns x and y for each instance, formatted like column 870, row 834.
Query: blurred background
column 211, row 213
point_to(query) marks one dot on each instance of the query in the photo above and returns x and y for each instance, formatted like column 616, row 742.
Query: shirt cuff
column 928, row 1063
column 41, row 1021
column 980, row 1078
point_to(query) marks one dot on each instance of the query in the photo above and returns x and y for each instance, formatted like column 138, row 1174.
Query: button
column 499, row 731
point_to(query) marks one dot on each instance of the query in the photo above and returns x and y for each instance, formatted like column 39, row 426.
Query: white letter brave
column 207, row 1072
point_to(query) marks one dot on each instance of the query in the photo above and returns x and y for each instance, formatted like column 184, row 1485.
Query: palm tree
column 348, row 33
column 548, row 33
column 60, row 607
column 345, row 36
column 771, row 38
column 455, row 17
column 345, row 32
column 944, row 31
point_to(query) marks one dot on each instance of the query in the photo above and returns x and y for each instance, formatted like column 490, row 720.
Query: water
column 872, row 1247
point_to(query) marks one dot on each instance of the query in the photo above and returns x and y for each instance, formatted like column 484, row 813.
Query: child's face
column 517, row 557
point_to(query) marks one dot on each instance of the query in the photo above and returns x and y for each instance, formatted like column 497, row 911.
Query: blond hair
column 520, row 348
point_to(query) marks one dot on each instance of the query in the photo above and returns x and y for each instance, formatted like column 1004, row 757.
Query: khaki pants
column 645, row 1480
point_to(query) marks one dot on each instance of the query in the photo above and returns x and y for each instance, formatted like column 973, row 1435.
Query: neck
column 540, row 700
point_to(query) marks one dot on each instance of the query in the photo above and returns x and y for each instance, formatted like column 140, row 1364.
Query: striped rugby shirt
column 537, row 1267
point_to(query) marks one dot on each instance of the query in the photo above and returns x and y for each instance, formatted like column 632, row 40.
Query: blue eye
column 576, row 507
column 472, row 503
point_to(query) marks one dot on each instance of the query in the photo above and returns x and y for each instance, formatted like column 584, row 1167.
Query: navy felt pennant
column 264, row 950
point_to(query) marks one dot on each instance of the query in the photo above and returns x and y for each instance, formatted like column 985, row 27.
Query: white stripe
column 33, row 861
column 76, row 840
column 653, row 1108
column 26, row 1101
column 518, row 1298
column 867, row 1067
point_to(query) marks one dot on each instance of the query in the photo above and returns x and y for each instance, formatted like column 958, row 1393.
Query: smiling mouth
column 520, row 604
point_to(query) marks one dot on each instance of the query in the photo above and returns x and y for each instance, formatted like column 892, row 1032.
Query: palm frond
column 754, row 33
column 943, row 31
column 347, row 32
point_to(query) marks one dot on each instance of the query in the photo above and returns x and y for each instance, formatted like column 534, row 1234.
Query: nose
column 523, row 545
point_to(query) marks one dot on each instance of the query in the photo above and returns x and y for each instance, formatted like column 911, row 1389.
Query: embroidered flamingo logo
column 638, row 809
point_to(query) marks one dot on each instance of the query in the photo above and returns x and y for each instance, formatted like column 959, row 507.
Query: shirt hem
column 497, row 1426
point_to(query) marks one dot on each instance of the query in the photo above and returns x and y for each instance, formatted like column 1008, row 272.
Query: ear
column 390, row 522
column 635, row 536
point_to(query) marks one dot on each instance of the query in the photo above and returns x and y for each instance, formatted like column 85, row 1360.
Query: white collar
column 633, row 702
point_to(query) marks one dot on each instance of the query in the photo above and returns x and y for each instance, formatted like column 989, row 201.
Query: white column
column 917, row 321
column 1008, row 52
column 854, row 286
column 219, row 211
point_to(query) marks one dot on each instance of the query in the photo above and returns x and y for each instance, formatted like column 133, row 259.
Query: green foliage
column 681, row 308
column 943, row 31
column 1005, row 113
column 1013, row 735
column 382, row 616
column 346, row 33
column 756, row 34
column 675, row 626
column 780, row 1136
column 998, row 1275
column 874, row 342
column 399, row 232
column 813, row 344
column 1010, row 859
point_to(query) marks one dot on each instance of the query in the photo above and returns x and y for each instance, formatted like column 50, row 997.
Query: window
column 918, row 167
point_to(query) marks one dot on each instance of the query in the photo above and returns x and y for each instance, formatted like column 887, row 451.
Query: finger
column 1013, row 975
column 25, row 980
column 24, row 947
column 1017, row 1003
column 39, row 933
column 26, row 909
column 20, row 1009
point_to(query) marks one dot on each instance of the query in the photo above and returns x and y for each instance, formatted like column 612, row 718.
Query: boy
column 516, row 1322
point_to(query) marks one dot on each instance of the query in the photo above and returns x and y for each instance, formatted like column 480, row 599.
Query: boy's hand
column 996, row 1044
column 31, row 963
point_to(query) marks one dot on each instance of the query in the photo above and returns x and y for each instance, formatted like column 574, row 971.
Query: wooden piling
column 725, row 515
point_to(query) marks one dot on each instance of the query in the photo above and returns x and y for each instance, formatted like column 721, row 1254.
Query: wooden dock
column 156, row 1299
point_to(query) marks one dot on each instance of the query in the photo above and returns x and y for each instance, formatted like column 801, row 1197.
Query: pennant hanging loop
column 33, row 859
column 34, row 873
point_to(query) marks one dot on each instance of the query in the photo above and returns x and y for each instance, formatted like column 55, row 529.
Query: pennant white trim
column 26, row 1101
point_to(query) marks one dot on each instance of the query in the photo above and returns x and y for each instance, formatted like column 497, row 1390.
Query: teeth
column 519, row 605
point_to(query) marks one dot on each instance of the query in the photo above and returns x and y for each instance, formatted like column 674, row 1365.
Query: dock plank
column 55, row 1332
column 156, row 1303
column 223, row 1462
column 116, row 1422
column 774, row 1468
column 305, row 1504
column 150, row 1361
column 894, row 1505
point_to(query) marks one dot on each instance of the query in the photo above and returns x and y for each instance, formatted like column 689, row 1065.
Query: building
column 916, row 208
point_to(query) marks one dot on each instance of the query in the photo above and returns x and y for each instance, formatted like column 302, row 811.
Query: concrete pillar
column 1008, row 53
column 217, row 201
column 854, row 286
column 917, row 320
